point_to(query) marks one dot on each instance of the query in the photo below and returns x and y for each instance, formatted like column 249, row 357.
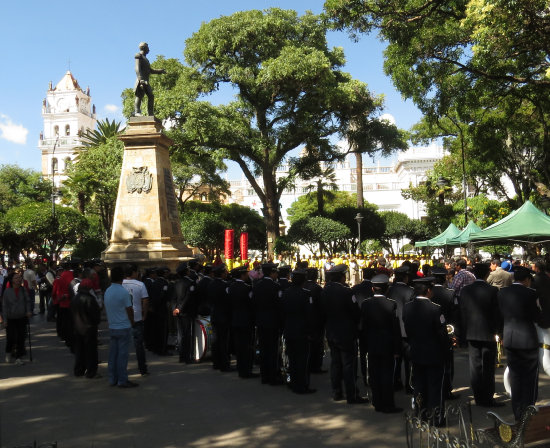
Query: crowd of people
column 394, row 323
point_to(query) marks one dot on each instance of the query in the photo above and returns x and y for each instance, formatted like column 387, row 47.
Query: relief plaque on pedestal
column 146, row 228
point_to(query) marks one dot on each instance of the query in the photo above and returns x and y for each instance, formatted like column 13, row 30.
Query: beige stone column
column 146, row 227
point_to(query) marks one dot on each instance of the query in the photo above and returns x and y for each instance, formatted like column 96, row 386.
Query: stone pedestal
column 146, row 227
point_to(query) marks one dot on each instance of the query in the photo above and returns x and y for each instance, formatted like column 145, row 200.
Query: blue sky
column 97, row 41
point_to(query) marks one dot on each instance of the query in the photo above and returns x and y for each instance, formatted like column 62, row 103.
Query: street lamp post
column 359, row 219
column 53, row 177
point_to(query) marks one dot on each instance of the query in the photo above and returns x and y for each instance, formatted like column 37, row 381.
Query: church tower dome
column 68, row 113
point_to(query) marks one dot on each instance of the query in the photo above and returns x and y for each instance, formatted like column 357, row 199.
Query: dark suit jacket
column 444, row 297
column 362, row 291
column 242, row 310
column 221, row 305
column 380, row 327
column 402, row 294
column 342, row 315
column 518, row 305
column 426, row 331
column 267, row 303
column 296, row 306
column 480, row 314
column 317, row 314
column 204, row 306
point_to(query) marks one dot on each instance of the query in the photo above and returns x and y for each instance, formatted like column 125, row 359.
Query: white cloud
column 111, row 108
column 12, row 132
column 388, row 117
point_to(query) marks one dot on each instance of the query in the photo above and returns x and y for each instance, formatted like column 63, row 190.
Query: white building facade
column 68, row 113
column 382, row 184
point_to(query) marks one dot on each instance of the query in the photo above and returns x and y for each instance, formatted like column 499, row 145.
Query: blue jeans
column 118, row 355
column 138, row 343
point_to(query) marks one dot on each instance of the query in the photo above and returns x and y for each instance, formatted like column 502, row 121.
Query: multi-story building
column 382, row 183
column 68, row 113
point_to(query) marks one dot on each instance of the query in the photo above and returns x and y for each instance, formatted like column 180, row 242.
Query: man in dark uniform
column 220, row 318
column 362, row 291
column 342, row 317
column 185, row 311
column 242, row 321
column 429, row 343
column 481, row 321
column 267, row 295
column 401, row 293
column 520, row 311
column 541, row 284
column 142, row 87
column 382, row 338
column 297, row 307
column 317, row 340
column 444, row 297
column 284, row 274
column 161, row 295
column 149, row 330
column 204, row 306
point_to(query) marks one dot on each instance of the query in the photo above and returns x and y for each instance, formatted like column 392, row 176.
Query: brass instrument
column 499, row 351
column 451, row 334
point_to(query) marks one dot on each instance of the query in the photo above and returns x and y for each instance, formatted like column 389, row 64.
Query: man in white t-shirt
column 140, row 303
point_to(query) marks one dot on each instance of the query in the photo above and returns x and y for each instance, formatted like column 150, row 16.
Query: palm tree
column 323, row 183
column 105, row 130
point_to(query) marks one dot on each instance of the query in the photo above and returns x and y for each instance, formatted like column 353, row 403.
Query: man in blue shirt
column 120, row 315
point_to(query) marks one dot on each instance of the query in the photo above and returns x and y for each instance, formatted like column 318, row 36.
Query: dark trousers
column 524, row 378
column 297, row 351
column 220, row 346
column 405, row 362
column 268, row 340
column 428, row 388
column 381, row 370
column 482, row 370
column 244, row 349
column 138, row 332
column 85, row 353
column 159, row 330
column 343, row 367
column 16, row 331
column 185, row 325
column 43, row 296
column 449, row 373
column 317, row 351
column 65, row 320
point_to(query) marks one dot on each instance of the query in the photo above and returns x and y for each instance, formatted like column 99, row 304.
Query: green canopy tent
column 527, row 224
column 464, row 237
column 441, row 239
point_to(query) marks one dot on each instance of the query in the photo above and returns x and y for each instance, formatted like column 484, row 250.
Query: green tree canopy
column 319, row 233
column 38, row 231
column 19, row 186
column 290, row 91
column 92, row 182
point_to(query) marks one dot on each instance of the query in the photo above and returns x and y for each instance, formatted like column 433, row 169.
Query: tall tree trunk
column 320, row 198
column 359, row 179
column 271, row 210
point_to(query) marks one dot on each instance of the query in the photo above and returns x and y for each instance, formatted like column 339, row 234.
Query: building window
column 56, row 130
column 54, row 165
column 67, row 162
column 67, row 130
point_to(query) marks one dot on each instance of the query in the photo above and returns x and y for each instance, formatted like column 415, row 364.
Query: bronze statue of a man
column 143, row 70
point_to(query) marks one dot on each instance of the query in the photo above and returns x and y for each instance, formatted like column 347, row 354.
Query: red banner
column 244, row 246
column 229, row 235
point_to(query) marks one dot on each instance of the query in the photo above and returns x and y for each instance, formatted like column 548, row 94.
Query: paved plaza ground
column 182, row 405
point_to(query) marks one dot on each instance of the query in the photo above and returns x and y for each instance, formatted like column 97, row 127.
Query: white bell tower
column 68, row 113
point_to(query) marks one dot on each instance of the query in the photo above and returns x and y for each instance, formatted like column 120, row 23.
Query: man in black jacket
column 382, row 338
column 342, row 317
column 444, row 297
column 267, row 295
column 402, row 294
column 481, row 321
column 429, row 343
column 541, row 284
column 242, row 321
column 297, row 307
column 362, row 291
column 185, row 310
column 317, row 340
column 520, row 311
column 220, row 318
